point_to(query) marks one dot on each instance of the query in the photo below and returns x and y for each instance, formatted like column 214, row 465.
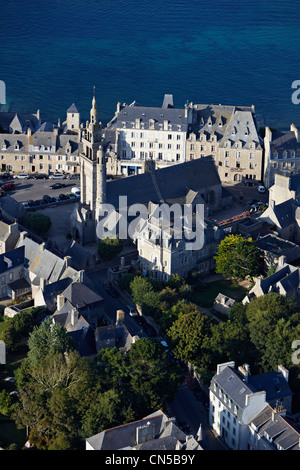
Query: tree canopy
column 237, row 257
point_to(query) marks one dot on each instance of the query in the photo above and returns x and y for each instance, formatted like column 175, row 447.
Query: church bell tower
column 92, row 178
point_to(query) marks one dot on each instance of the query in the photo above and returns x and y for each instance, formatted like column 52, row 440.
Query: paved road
column 188, row 410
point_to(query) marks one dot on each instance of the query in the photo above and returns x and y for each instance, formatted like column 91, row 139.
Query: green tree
column 37, row 222
column 125, row 281
column 109, row 247
column 189, row 335
column 48, row 339
column 138, row 287
column 263, row 313
column 6, row 403
column 154, row 379
column 237, row 257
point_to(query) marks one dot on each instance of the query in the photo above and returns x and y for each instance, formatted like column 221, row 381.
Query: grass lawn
column 205, row 296
column 10, row 434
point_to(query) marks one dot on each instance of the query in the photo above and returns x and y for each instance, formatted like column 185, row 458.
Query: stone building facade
column 29, row 146
column 281, row 154
column 228, row 134
column 145, row 134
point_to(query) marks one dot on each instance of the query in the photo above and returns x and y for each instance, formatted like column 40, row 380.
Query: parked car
column 9, row 379
column 47, row 198
column 63, row 197
column 131, row 310
column 21, row 176
column 8, row 187
column 261, row 189
column 6, row 175
column 74, row 176
column 76, row 191
column 40, row 176
column 25, row 205
column 72, row 196
column 191, row 383
column 57, row 176
column 31, row 203
column 57, row 186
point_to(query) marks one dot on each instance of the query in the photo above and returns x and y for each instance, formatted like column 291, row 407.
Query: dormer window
column 284, row 154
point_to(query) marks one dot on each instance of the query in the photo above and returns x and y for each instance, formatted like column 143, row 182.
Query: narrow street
column 187, row 409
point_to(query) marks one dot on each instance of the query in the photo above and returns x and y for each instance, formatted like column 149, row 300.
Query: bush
column 37, row 222
column 109, row 247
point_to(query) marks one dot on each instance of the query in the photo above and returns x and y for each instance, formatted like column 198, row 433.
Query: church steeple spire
column 94, row 111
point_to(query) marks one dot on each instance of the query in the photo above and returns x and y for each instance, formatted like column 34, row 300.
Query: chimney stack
column 120, row 317
column 294, row 129
column 60, row 300
column 284, row 372
column 245, row 371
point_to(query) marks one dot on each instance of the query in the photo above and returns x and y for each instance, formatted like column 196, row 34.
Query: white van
column 76, row 191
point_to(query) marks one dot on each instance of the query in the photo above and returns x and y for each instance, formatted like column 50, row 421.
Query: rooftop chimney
column 60, row 300
column 294, row 129
column 74, row 316
column 284, row 372
column 120, row 317
column 245, row 371
column 145, row 433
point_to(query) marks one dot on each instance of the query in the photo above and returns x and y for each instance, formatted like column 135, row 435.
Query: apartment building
column 281, row 154
column 236, row 398
column 229, row 135
column 29, row 146
column 148, row 134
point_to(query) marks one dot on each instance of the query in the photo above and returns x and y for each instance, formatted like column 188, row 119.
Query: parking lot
column 35, row 189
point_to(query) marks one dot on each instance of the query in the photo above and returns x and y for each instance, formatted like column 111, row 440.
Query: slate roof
column 129, row 114
column 81, row 332
column 67, row 140
column 276, row 428
column 12, row 207
column 288, row 276
column 15, row 257
column 284, row 140
column 295, row 182
column 124, row 437
column 209, row 117
column 244, row 128
column 273, row 383
column 285, row 213
column 46, row 127
column 232, row 383
column 195, row 175
column 72, row 109
column 6, row 119
column 42, row 262
column 80, row 296
column 42, row 139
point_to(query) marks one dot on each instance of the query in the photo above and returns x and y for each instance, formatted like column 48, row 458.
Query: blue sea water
column 218, row 51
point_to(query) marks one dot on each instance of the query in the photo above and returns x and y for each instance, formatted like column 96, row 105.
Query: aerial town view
column 149, row 228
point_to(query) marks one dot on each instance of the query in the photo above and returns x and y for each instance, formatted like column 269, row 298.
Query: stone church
column 167, row 185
